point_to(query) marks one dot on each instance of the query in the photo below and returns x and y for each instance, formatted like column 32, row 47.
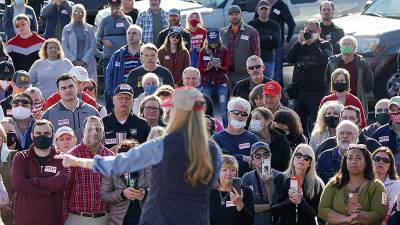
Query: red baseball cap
column 272, row 88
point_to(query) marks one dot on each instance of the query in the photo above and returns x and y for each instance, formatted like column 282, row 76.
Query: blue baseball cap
column 259, row 145
column 213, row 35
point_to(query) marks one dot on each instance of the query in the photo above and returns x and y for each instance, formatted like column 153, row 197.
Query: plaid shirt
column 83, row 194
column 145, row 21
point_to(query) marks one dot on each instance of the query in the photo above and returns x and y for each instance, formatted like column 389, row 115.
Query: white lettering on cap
column 125, row 87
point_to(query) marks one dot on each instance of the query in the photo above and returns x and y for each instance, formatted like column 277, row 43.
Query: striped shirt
column 131, row 62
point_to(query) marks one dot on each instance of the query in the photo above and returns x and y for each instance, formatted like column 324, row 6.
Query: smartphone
column 295, row 183
column 266, row 166
column 353, row 202
column 216, row 61
column 236, row 182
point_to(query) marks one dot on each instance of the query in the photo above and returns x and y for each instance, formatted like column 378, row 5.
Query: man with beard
column 111, row 32
column 122, row 62
column 82, row 198
column 39, row 180
column 329, row 31
column 328, row 162
column 174, row 20
column 242, row 41
column 153, row 21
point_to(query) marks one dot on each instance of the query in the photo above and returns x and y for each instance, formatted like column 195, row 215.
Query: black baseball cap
column 116, row 2
column 123, row 88
column 259, row 145
column 262, row 4
column 22, row 79
column 6, row 70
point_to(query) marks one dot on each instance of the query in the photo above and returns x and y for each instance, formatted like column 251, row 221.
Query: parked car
column 377, row 31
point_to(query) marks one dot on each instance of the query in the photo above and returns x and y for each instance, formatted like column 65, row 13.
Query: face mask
column 382, row 118
column 315, row 36
column 256, row 126
column 237, row 124
column 193, row 22
column 331, row 121
column 346, row 49
column 21, row 113
column 150, row 89
column 339, row 87
column 395, row 118
column 37, row 108
column 19, row 2
column 42, row 141
column 4, row 84
column 11, row 138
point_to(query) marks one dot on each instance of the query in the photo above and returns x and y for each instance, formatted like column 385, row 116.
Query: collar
column 69, row 27
column 336, row 154
column 130, row 116
column 241, row 25
column 4, row 154
column 78, row 105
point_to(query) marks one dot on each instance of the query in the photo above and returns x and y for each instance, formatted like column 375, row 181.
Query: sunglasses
column 19, row 25
column 265, row 155
column 298, row 155
column 22, row 101
column 6, row 79
column 254, row 67
column 238, row 112
column 380, row 159
column 91, row 88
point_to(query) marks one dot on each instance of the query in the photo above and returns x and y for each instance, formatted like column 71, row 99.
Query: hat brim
column 124, row 92
column 270, row 93
column 22, row 85
column 64, row 132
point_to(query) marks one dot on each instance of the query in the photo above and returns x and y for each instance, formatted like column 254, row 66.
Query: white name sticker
column 167, row 57
column 111, row 141
column 244, row 37
column 118, row 64
column 384, row 198
column 206, row 57
column 64, row 11
column 63, row 122
column 119, row 25
column 29, row 16
column 276, row 11
column 383, row 139
column 229, row 204
column 50, row 169
column 244, row 145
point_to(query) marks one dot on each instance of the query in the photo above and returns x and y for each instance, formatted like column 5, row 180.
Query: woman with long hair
column 288, row 123
column 11, row 11
column 298, row 203
column 354, row 196
column 198, row 34
column 187, row 165
column 173, row 54
column 231, row 204
column 213, row 65
column 326, row 123
column 52, row 63
column 262, row 124
column 256, row 96
column 385, row 170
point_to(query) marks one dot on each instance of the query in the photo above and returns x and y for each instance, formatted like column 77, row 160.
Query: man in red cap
column 272, row 95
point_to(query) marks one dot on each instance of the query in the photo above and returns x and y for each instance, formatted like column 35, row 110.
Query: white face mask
column 237, row 124
column 256, row 126
column 4, row 84
column 315, row 36
column 21, row 113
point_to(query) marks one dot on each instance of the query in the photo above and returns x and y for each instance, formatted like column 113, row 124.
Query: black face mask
column 42, row 141
column 339, row 87
column 11, row 138
column 331, row 121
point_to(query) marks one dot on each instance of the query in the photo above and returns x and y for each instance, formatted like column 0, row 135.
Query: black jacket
column 333, row 34
column 284, row 211
column 164, row 33
column 394, row 218
column 329, row 143
column 280, row 150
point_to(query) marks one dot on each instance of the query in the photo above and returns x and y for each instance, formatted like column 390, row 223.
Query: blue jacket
column 50, row 14
column 8, row 22
column 114, row 72
column 328, row 164
column 386, row 137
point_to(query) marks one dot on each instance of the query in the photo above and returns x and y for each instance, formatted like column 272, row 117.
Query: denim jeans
column 220, row 93
column 279, row 64
column 269, row 70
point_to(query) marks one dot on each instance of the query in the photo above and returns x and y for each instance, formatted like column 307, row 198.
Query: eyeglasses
column 20, row 24
column 151, row 108
column 16, row 102
column 91, row 88
column 380, row 159
column 238, row 112
column 298, row 155
column 382, row 110
column 265, row 155
column 254, row 67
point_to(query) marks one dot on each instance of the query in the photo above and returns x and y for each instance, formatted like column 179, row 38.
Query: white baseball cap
column 80, row 73
column 64, row 130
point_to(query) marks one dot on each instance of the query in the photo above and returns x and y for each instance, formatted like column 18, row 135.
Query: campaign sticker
column 229, row 204
column 244, row 37
column 111, row 141
column 50, row 169
column 244, row 145
column 64, row 11
column 276, row 11
column 119, row 24
column 63, row 122
column 383, row 139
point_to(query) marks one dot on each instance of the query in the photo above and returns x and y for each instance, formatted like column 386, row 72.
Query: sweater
column 175, row 62
column 44, row 74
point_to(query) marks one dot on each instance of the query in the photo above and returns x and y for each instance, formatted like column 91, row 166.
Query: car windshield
column 211, row 3
column 384, row 8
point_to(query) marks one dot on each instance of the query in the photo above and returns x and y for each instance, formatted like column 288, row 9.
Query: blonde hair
column 190, row 15
column 43, row 49
column 320, row 125
column 81, row 7
column 229, row 160
column 200, row 168
column 312, row 181
column 336, row 73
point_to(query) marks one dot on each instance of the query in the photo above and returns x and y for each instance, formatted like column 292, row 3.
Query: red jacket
column 350, row 100
column 56, row 97
column 39, row 189
column 214, row 76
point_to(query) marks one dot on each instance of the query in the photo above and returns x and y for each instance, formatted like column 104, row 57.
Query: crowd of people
column 197, row 125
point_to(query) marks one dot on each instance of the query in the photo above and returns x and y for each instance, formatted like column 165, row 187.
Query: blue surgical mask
column 19, row 2
column 150, row 89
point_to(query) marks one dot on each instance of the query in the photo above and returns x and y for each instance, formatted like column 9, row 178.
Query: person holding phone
column 297, row 202
column 260, row 181
column 230, row 202
column 370, row 203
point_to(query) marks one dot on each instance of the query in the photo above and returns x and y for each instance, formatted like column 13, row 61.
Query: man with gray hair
column 361, row 77
column 38, row 101
column 235, row 139
column 191, row 77
column 382, row 117
column 328, row 162
column 122, row 62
